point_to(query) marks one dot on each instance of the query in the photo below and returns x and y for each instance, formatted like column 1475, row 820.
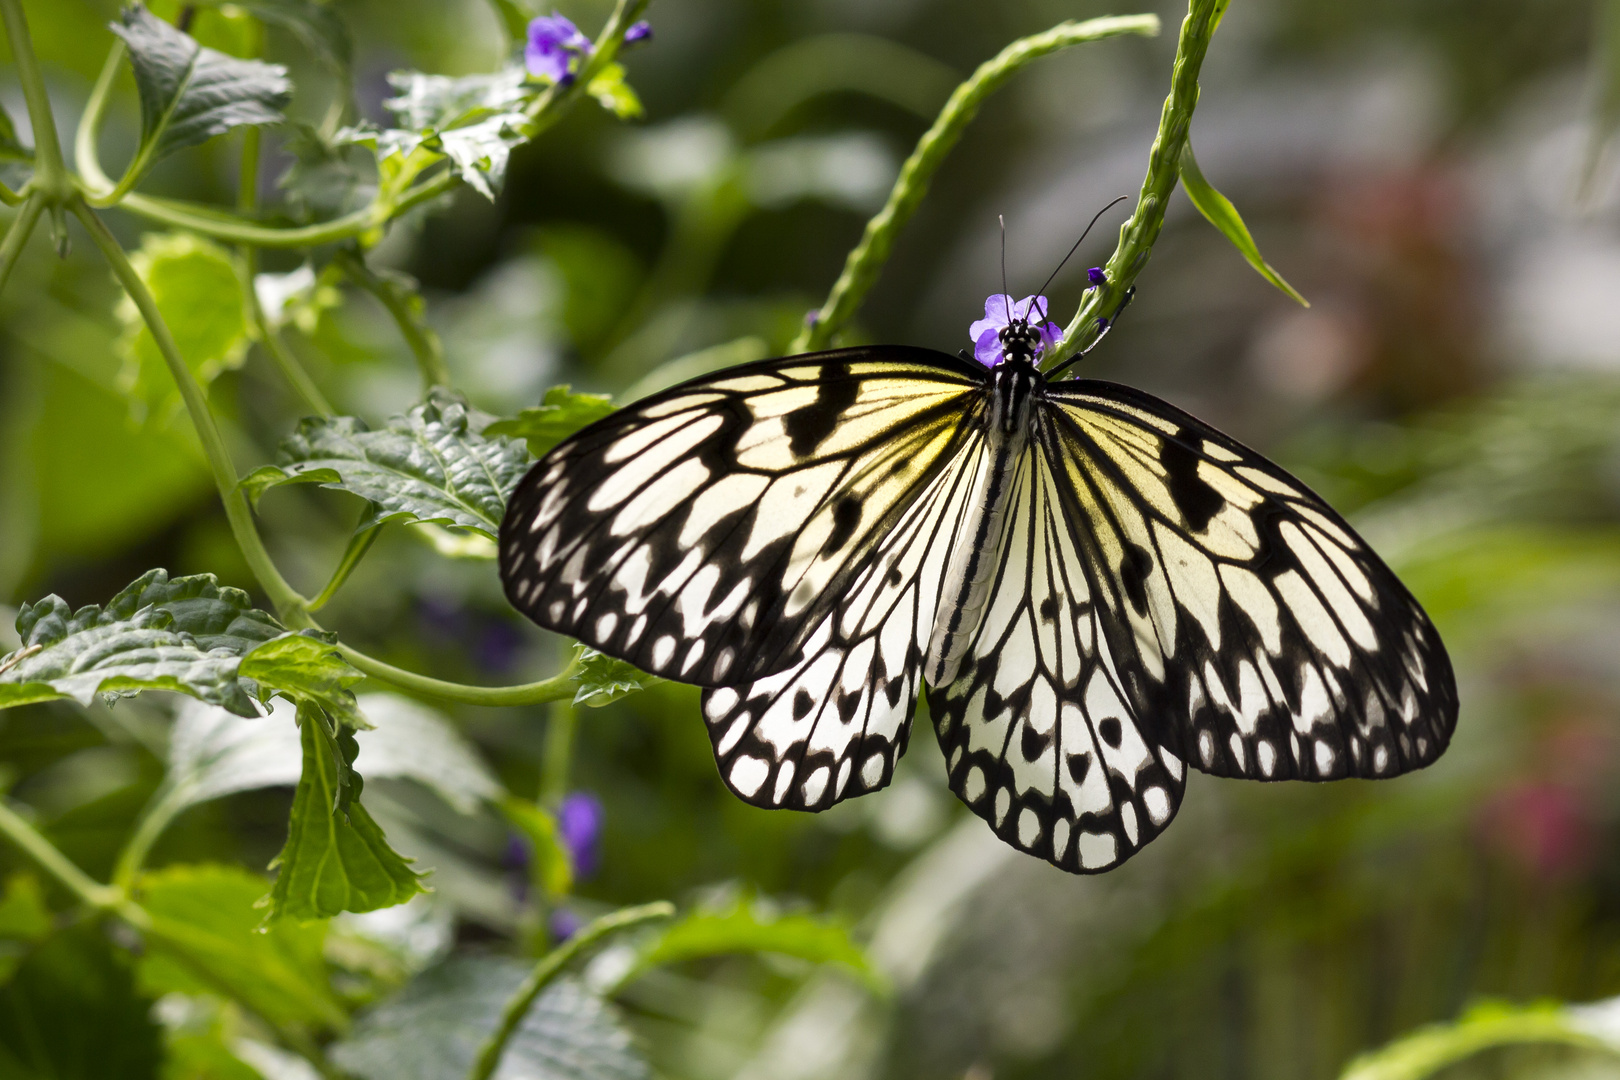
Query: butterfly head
column 1013, row 330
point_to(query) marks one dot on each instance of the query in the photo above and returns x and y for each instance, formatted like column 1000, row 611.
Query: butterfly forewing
column 1274, row 643
column 1041, row 738
column 705, row 532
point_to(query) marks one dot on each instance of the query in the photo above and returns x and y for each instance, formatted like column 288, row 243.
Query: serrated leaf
column 186, row 635
column 317, row 26
column 73, row 992
column 1220, row 212
column 611, row 91
column 334, row 860
column 205, row 937
column 551, row 867
column 561, row 413
column 604, row 678
column 433, row 464
column 307, row 668
column 199, row 292
column 190, row 93
column 436, row 1025
column 745, row 928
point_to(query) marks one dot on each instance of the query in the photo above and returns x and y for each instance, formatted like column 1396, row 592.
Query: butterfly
column 1094, row 589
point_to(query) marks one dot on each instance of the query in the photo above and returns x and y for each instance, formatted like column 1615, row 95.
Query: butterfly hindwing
column 1276, row 644
column 1040, row 737
column 704, row 532
column 833, row 725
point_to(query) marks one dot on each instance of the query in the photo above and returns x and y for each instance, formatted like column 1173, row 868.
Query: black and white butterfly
column 1097, row 590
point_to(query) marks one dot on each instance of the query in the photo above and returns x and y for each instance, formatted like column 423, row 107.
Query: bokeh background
column 1414, row 167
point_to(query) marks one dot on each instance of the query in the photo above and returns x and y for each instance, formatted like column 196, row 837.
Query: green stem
column 51, row 177
column 22, row 227
column 166, row 802
column 13, row 198
column 86, row 155
column 359, row 544
column 1136, row 236
column 424, row 343
column 549, row 967
column 549, row 106
column 559, row 752
column 286, row 600
column 16, row 829
column 866, row 261
column 556, row 688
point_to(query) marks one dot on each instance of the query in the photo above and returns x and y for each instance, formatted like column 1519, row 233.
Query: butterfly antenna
column 1072, row 250
column 1006, row 298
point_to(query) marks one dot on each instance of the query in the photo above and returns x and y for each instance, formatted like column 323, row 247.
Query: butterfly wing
column 1241, row 609
column 833, row 725
column 703, row 533
column 1040, row 736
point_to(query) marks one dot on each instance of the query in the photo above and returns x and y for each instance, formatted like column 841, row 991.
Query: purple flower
column 579, row 821
column 639, row 31
column 554, row 43
column 999, row 312
column 563, row 925
column 1097, row 275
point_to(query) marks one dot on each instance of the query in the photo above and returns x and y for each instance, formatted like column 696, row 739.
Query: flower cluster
column 555, row 44
column 1000, row 312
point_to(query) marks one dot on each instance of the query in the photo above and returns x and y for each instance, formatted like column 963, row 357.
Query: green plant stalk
column 286, row 600
column 13, row 198
column 22, row 227
column 160, row 810
column 359, row 544
column 86, row 155
column 549, row 967
column 559, row 687
column 51, row 177
column 1137, row 235
column 424, row 344
column 559, row 753
column 867, row 259
column 28, row 839
column 1428, row 1050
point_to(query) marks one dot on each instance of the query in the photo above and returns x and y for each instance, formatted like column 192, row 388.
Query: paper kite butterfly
column 1096, row 589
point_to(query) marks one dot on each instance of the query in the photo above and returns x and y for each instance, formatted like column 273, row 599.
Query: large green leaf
column 205, row 937
column 561, row 413
column 433, row 464
column 186, row 634
column 436, row 1025
column 190, row 93
column 1220, row 212
column 307, row 668
column 72, row 1012
column 336, row 859
column 199, row 292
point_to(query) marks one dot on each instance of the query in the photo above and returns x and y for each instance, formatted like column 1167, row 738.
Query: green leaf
column 205, row 938
column 11, row 149
column 306, row 667
column 604, row 678
column 414, row 742
column 1220, row 212
column 433, row 464
column 199, row 292
column 190, row 93
column 318, row 27
column 334, row 860
column 436, row 1025
column 551, row 867
column 72, row 1012
column 614, row 94
column 1488, row 1025
column 186, row 635
column 561, row 413
column 745, row 928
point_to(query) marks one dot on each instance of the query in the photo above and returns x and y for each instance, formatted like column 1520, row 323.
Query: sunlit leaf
column 334, row 860
column 186, row 635
column 611, row 91
column 199, row 293
column 205, row 938
column 1220, row 212
column 190, row 93
column 433, row 464
column 72, row 992
column 1488, row 1025
column 604, row 678
column 436, row 1025
column 561, row 413
column 306, row 667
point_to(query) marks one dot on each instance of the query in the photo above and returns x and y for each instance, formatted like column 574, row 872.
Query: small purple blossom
column 999, row 312
column 1097, row 275
column 554, row 43
column 563, row 925
column 639, row 31
column 579, row 822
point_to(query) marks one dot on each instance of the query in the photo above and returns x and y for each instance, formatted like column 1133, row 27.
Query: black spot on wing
column 808, row 426
column 1133, row 574
column 1195, row 498
column 846, row 516
column 1033, row 743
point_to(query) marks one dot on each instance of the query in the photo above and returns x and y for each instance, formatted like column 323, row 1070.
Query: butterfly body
column 1096, row 589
